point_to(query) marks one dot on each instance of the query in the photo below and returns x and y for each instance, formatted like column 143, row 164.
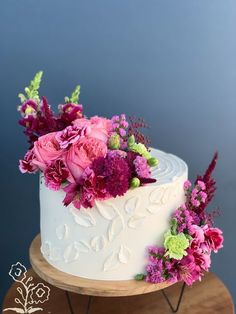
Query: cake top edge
column 170, row 167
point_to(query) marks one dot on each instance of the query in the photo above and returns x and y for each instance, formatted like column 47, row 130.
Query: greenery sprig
column 32, row 91
column 74, row 99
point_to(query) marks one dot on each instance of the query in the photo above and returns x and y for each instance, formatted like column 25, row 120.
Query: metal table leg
column 70, row 305
column 174, row 310
column 69, row 302
column 89, row 304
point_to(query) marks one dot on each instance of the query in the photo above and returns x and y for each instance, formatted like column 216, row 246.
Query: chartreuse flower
column 142, row 150
column 176, row 245
column 138, row 147
column 31, row 91
column 114, row 141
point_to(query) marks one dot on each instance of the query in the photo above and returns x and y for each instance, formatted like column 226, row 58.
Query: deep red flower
column 114, row 172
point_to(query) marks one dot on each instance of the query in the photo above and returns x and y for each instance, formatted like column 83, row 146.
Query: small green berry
column 114, row 141
column 135, row 182
column 153, row 161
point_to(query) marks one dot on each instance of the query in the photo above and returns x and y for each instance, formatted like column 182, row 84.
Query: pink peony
column 100, row 127
column 26, row 165
column 82, row 154
column 55, row 175
column 46, row 150
column 214, row 239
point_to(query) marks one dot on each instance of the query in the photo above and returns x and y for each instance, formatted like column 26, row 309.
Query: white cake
column 109, row 241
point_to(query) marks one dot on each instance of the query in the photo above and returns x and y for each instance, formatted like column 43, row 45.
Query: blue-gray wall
column 172, row 62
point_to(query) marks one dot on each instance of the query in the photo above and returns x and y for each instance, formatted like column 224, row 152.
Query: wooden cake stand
column 98, row 288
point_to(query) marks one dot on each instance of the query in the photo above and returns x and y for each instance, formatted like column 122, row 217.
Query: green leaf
column 188, row 236
column 174, row 225
column 139, row 277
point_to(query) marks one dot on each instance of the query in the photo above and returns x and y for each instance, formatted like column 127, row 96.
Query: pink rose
column 55, row 175
column 99, row 127
column 82, row 123
column 214, row 238
column 27, row 165
column 46, row 150
column 81, row 154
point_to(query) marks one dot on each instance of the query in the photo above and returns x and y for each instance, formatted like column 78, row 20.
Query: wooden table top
column 210, row 296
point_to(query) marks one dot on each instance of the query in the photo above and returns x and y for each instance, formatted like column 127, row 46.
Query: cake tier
column 109, row 241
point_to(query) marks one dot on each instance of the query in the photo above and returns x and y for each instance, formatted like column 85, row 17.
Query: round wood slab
column 210, row 296
column 80, row 285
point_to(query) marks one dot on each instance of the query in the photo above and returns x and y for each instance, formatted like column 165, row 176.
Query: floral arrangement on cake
column 191, row 238
column 89, row 158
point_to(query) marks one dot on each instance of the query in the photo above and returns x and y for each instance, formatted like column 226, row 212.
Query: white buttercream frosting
column 169, row 168
column 109, row 241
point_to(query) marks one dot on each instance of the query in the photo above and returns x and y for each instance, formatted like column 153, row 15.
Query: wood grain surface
column 86, row 286
column 207, row 297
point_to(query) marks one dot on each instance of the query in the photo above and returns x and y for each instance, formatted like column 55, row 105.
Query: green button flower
column 114, row 141
column 176, row 245
column 138, row 147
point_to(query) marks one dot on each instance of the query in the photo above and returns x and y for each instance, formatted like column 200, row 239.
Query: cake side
column 108, row 241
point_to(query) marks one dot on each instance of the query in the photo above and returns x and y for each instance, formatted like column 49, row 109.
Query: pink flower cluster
column 197, row 226
column 90, row 159
column 191, row 267
column 120, row 127
column 78, row 157
column 66, row 154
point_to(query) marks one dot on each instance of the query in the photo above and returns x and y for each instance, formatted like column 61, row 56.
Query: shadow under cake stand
column 99, row 288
